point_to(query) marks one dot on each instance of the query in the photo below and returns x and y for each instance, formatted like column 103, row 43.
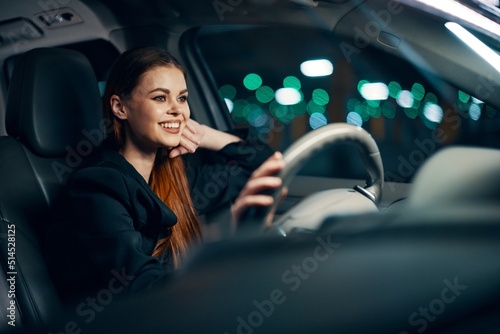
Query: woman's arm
column 227, row 162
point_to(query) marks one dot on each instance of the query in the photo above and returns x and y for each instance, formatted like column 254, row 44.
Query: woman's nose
column 174, row 109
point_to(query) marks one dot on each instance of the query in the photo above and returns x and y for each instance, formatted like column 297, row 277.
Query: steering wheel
column 355, row 200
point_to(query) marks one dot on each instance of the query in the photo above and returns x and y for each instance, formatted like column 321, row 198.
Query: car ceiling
column 100, row 17
column 112, row 20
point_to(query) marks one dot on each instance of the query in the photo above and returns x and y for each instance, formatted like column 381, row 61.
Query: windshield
column 285, row 82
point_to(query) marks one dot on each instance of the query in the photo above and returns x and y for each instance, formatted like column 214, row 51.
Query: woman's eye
column 161, row 98
column 183, row 98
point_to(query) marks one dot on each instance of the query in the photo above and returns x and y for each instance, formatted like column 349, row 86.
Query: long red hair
column 168, row 177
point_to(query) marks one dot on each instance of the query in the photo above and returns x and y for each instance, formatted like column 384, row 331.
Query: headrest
column 457, row 176
column 53, row 101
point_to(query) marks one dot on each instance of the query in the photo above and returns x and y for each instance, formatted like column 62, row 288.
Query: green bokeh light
column 264, row 94
column 282, row 113
column 416, row 104
column 299, row 108
column 361, row 83
column 238, row 107
column 227, row 92
column 394, row 89
column 418, row 91
column 373, row 103
column 292, row 82
column 463, row 97
column 253, row 112
column 320, row 97
column 374, row 111
column 411, row 112
column 430, row 97
column 313, row 107
column 362, row 110
column 388, row 110
column 352, row 104
column 239, row 111
column 252, row 81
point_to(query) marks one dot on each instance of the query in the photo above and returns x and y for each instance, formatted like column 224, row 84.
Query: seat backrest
column 458, row 175
column 53, row 120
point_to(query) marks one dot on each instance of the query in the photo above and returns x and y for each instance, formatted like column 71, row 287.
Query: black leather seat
column 53, row 119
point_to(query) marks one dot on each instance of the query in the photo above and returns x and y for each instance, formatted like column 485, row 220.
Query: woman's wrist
column 216, row 140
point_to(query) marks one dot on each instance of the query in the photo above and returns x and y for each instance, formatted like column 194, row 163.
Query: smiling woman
column 128, row 209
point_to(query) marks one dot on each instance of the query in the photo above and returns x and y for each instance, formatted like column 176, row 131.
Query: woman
column 128, row 211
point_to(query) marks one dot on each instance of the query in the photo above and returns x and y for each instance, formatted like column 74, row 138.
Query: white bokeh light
column 433, row 112
column 374, row 91
column 229, row 104
column 288, row 96
column 316, row 68
column 405, row 99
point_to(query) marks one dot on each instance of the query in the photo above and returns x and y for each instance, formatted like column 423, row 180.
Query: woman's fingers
column 192, row 125
column 262, row 178
column 271, row 166
column 257, row 185
column 191, row 133
column 191, row 138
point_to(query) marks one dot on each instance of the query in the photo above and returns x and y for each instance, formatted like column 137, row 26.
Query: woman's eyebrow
column 166, row 90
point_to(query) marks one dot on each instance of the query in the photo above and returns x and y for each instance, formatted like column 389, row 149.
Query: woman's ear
column 118, row 107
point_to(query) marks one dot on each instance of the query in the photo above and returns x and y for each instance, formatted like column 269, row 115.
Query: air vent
column 59, row 18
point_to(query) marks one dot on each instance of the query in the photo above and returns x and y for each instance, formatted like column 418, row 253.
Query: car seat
column 53, row 120
column 458, row 175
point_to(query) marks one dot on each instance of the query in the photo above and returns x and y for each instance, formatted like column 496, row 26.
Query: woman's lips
column 171, row 127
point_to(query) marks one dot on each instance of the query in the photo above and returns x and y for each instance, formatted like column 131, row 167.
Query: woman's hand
column 197, row 135
column 192, row 137
column 261, row 179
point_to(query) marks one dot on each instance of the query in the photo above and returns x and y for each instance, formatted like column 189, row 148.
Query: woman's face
column 157, row 110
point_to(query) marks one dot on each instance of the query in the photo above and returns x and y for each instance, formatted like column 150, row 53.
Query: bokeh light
column 320, row 97
column 288, row 96
column 354, row 118
column 463, row 97
column 411, row 112
column 475, row 111
column 229, row 104
column 292, row 82
column 418, row 91
column 264, row 94
column 362, row 110
column 405, row 99
column 433, row 112
column 252, row 81
column 394, row 89
column 388, row 110
column 313, row 107
column 317, row 120
column 227, row 92
column 316, row 68
column 374, row 91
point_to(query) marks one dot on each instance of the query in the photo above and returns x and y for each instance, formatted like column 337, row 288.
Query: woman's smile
column 171, row 126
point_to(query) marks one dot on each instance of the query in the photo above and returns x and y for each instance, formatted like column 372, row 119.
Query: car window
column 409, row 112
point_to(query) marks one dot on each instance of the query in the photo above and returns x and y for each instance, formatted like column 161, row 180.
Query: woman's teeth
column 170, row 125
